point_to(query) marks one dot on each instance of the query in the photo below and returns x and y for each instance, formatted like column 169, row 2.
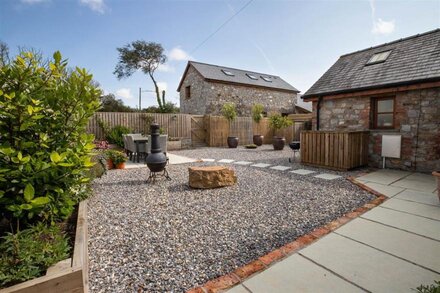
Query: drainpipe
column 318, row 108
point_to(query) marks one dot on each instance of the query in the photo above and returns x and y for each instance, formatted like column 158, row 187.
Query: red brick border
column 240, row 274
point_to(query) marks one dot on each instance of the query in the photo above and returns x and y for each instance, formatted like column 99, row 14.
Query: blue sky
column 297, row 40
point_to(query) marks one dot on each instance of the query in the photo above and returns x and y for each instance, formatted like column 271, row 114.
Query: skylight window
column 227, row 72
column 379, row 57
column 266, row 78
column 251, row 76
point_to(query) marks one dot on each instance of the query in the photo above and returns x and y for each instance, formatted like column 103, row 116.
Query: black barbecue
column 295, row 146
column 156, row 161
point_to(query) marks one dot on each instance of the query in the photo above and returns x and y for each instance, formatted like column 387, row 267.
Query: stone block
column 211, row 177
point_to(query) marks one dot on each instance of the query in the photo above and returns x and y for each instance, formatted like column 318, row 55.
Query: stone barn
column 204, row 88
column 390, row 89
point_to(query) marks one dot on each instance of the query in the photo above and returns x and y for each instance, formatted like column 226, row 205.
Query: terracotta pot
column 278, row 143
column 232, row 142
column 437, row 174
column 120, row 166
column 258, row 139
column 110, row 164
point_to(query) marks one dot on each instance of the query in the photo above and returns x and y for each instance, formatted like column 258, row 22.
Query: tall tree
column 145, row 56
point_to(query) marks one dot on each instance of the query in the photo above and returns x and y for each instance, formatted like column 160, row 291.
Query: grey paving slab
column 409, row 246
column 416, row 184
column 369, row 268
column 421, row 197
column 416, row 208
column 280, row 168
column 327, row 176
column 385, row 189
column 242, row 163
column 384, row 176
column 176, row 159
column 422, row 226
column 302, row 171
column 260, row 165
column 297, row 274
column 225, row 161
column 208, row 160
column 238, row 289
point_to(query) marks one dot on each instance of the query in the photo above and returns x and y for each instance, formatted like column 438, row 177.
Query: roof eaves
column 410, row 82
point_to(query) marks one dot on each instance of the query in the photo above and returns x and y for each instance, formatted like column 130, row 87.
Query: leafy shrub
column 28, row 253
column 229, row 111
column 116, row 157
column 277, row 121
column 257, row 112
column 433, row 288
column 115, row 135
column 44, row 151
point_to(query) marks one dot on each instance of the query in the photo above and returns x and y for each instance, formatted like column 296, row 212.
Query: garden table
column 138, row 142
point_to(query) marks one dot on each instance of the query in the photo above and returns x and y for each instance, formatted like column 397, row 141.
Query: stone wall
column 209, row 97
column 417, row 120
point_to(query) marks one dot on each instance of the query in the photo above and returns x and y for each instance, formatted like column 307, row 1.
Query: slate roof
column 214, row 73
column 412, row 60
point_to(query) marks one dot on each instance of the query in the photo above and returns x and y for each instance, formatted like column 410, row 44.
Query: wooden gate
column 198, row 131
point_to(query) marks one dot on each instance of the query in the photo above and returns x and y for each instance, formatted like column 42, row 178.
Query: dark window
column 227, row 72
column 188, row 92
column 266, row 78
column 383, row 113
column 251, row 76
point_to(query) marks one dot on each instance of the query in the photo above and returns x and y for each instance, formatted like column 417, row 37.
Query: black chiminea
column 156, row 161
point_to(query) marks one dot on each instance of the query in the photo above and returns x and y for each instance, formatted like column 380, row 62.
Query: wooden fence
column 202, row 130
column 176, row 125
column 244, row 128
column 334, row 150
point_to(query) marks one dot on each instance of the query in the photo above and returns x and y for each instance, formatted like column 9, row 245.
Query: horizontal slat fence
column 335, row 150
column 175, row 125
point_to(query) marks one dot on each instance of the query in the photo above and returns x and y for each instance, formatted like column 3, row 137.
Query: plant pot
column 110, row 164
column 232, row 142
column 120, row 166
column 278, row 143
column 258, row 139
column 437, row 174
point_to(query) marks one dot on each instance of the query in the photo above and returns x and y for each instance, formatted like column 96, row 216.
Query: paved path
column 395, row 247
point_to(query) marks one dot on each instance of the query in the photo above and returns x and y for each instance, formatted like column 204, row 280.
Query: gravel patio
column 166, row 237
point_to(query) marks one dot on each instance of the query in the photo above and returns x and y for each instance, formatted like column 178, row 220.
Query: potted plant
column 230, row 113
column 437, row 174
column 257, row 115
column 278, row 122
column 116, row 159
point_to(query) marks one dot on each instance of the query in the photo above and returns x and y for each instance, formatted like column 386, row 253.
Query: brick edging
column 244, row 272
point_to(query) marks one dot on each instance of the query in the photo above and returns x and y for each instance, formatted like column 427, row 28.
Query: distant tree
column 4, row 54
column 167, row 108
column 109, row 103
column 146, row 56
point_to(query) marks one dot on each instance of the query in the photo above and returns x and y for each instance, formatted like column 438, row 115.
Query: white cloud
column 162, row 86
column 165, row 68
column 177, row 54
column 95, row 5
column 124, row 93
column 32, row 1
column 382, row 27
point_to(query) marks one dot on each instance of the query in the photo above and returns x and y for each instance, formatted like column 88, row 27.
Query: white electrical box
column 391, row 145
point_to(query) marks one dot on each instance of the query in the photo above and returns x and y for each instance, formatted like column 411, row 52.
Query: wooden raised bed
column 335, row 150
column 70, row 275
